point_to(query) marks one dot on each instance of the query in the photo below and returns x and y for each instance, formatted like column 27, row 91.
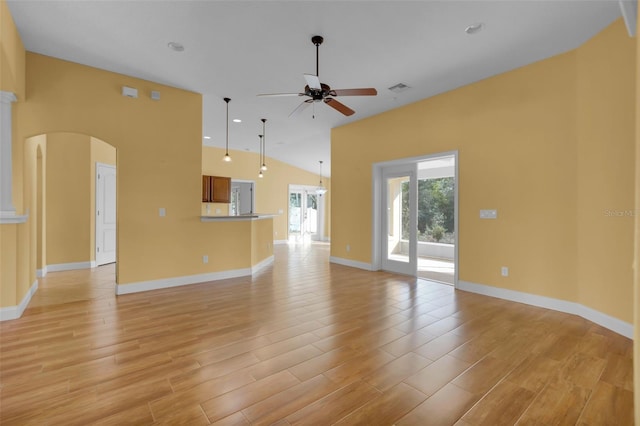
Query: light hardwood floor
column 304, row 342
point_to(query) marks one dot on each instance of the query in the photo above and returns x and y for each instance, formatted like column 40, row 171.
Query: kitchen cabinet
column 216, row 189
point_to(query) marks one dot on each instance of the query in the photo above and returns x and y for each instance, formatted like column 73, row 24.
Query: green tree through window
column 435, row 209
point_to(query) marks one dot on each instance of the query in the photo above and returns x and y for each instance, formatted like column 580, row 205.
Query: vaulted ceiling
column 239, row 49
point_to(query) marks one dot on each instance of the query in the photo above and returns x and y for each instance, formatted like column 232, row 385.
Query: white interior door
column 399, row 219
column 105, row 214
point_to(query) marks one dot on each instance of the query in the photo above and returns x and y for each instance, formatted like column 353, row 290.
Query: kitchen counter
column 252, row 216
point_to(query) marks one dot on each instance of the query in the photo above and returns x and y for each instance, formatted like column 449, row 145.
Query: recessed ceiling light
column 474, row 28
column 237, row 120
column 207, row 137
column 174, row 45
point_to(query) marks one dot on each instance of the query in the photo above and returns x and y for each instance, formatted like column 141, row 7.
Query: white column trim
column 7, row 210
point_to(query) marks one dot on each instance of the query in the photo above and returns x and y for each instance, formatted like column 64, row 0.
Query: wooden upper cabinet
column 206, row 189
column 216, row 189
column 220, row 189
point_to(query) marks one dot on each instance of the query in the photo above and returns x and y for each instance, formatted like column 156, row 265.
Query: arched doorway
column 63, row 190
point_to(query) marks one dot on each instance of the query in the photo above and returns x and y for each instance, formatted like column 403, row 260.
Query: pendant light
column 227, row 157
column 260, row 175
column 263, row 146
column 321, row 190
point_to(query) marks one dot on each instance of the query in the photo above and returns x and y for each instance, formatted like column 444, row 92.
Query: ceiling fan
column 320, row 92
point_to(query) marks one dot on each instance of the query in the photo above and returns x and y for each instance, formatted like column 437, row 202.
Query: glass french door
column 400, row 219
column 303, row 214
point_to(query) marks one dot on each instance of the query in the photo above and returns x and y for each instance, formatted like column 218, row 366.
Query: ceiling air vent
column 399, row 88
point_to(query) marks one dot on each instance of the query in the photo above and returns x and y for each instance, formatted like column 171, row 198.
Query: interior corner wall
column 606, row 115
column 68, row 204
column 271, row 192
column 518, row 146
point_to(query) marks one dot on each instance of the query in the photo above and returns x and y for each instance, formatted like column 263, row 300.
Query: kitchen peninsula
column 254, row 230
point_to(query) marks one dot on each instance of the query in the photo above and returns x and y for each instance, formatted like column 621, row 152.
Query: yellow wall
column 606, row 72
column 8, row 269
column 35, row 170
column 159, row 161
column 159, row 165
column 68, row 205
column 34, row 150
column 41, row 213
column 70, row 221
column 12, row 55
column 261, row 240
column 271, row 192
column 636, row 259
column 14, row 238
column 520, row 152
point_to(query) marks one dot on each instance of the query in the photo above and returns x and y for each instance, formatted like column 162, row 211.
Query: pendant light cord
column 263, row 150
column 227, row 157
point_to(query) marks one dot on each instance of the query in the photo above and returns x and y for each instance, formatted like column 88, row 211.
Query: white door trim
column 390, row 172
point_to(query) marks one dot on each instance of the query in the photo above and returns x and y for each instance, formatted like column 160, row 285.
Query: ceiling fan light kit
column 317, row 91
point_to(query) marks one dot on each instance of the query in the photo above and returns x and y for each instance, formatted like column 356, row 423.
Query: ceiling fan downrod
column 317, row 40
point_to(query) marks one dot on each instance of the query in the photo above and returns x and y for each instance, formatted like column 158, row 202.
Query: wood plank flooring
column 304, row 342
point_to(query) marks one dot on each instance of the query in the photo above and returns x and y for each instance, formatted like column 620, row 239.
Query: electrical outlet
column 162, row 212
column 205, row 259
column 504, row 271
column 348, row 248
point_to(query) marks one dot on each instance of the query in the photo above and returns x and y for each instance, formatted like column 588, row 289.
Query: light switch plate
column 162, row 212
column 488, row 214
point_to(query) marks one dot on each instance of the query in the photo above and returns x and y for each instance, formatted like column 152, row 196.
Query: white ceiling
column 238, row 49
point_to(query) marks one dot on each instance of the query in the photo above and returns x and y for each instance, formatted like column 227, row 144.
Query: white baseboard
column 191, row 279
column 180, row 281
column 42, row 272
column 70, row 266
column 351, row 263
column 262, row 264
column 614, row 324
column 15, row 312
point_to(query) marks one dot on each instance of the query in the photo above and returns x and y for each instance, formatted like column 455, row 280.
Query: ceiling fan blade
column 300, row 108
column 355, row 92
column 280, row 94
column 313, row 81
column 340, row 107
